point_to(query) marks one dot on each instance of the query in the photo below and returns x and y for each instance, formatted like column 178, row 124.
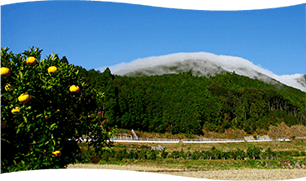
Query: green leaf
column 22, row 162
column 20, row 125
column 28, row 127
column 39, row 115
column 40, row 145
column 17, row 130
column 20, row 73
column 53, row 125
column 47, row 142
column 54, row 142
column 25, row 119
column 47, row 163
column 25, row 74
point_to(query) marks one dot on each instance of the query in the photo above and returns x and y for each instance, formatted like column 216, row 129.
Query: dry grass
column 281, row 130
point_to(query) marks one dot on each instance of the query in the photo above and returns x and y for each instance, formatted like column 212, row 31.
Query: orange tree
column 44, row 103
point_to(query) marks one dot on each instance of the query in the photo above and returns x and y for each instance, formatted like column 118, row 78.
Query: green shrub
column 119, row 155
column 106, row 156
column 205, row 154
column 241, row 154
column 152, row 155
column 132, row 155
column 226, row 155
column 164, row 154
column 188, row 155
column 174, row 154
column 303, row 153
column 195, row 155
column 142, row 154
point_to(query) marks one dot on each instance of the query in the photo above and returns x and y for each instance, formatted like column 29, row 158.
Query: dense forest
column 183, row 103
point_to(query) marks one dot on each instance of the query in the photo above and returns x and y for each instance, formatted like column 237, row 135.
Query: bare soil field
column 231, row 174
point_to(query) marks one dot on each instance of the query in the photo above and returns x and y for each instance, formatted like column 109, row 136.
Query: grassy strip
column 203, row 164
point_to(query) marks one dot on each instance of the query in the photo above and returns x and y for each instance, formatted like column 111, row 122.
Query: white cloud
column 229, row 63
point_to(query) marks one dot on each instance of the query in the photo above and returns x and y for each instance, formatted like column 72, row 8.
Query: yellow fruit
column 74, row 88
column 52, row 69
column 5, row 71
column 15, row 110
column 31, row 61
column 7, row 87
column 57, row 153
column 24, row 98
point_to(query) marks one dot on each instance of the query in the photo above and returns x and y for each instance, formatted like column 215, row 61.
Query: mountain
column 208, row 64
column 181, row 99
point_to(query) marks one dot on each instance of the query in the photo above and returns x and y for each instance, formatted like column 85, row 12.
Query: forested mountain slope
column 184, row 103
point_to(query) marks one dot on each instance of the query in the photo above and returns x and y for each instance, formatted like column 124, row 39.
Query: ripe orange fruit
column 74, row 88
column 15, row 110
column 46, row 116
column 31, row 61
column 57, row 153
column 7, row 87
column 5, row 71
column 52, row 69
column 24, row 98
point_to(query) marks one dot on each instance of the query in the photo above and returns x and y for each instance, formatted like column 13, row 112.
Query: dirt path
column 232, row 174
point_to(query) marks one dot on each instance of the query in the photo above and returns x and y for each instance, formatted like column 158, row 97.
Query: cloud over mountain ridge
column 206, row 64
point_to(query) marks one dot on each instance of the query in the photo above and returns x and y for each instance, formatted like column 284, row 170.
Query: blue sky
column 96, row 34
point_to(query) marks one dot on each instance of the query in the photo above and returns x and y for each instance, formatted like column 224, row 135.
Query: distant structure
column 160, row 148
column 134, row 134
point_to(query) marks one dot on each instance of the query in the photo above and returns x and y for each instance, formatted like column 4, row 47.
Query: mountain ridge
column 208, row 64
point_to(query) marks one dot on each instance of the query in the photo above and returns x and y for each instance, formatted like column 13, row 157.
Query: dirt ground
column 232, row 174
